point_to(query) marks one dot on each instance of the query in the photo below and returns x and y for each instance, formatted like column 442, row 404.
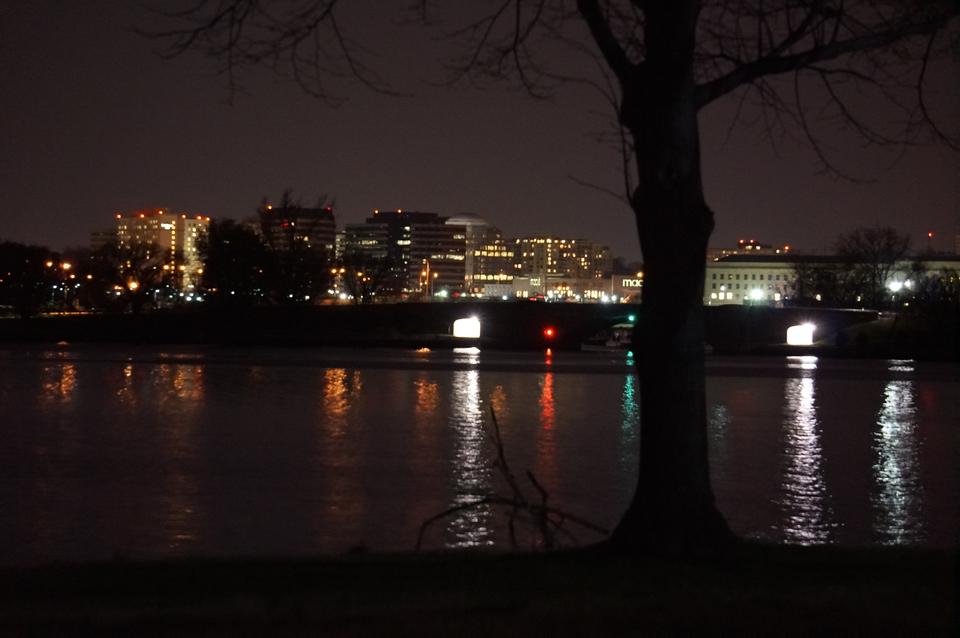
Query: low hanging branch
column 549, row 522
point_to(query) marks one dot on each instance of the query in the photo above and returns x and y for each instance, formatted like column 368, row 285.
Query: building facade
column 551, row 256
column 290, row 227
column 748, row 279
column 423, row 254
column 174, row 240
column 489, row 269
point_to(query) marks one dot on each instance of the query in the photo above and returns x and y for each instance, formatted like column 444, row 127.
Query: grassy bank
column 760, row 590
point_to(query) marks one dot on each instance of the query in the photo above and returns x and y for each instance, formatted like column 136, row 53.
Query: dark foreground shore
column 760, row 590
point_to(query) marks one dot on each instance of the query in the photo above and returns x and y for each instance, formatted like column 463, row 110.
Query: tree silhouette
column 663, row 62
column 27, row 275
column 300, row 267
column 870, row 256
column 237, row 266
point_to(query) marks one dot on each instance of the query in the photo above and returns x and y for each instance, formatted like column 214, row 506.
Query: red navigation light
column 930, row 235
column 549, row 332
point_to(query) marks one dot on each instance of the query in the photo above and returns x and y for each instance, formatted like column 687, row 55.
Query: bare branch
column 775, row 64
column 606, row 41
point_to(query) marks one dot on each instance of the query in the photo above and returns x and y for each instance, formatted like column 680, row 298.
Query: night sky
column 93, row 122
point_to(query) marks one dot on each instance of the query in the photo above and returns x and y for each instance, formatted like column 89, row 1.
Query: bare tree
column 870, row 256
column 665, row 61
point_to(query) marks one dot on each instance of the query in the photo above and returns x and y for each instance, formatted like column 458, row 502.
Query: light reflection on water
column 899, row 492
column 164, row 456
column 59, row 383
column 470, row 463
column 546, row 468
column 337, row 450
column 629, row 424
column 806, row 514
column 181, row 390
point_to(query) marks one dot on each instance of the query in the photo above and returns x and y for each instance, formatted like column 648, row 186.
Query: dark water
column 149, row 453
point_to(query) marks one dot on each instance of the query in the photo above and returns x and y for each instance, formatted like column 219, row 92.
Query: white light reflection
column 900, row 365
column 806, row 362
column 807, row 516
column 896, row 467
column 470, row 527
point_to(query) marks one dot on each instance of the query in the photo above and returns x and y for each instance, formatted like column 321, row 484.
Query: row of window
column 751, row 277
column 745, row 287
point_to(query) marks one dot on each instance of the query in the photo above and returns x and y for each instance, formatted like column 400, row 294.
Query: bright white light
column 442, row 294
column 800, row 335
column 895, row 286
column 756, row 294
column 468, row 328
column 342, row 295
column 470, row 350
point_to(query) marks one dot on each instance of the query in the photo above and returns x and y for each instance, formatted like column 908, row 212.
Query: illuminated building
column 178, row 236
column 550, row 256
column 749, row 279
column 424, row 253
column 488, row 259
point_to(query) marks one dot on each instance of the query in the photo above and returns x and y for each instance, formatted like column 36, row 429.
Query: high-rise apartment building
column 172, row 239
column 555, row 257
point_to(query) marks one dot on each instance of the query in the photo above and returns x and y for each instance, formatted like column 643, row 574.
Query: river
column 142, row 453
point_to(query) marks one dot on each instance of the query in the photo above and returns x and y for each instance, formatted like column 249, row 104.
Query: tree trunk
column 673, row 508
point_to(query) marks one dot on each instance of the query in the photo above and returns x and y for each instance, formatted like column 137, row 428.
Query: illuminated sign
column 632, row 283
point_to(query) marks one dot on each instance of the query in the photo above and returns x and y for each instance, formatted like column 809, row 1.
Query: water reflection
column 425, row 408
column 548, row 413
column 335, row 401
column 499, row 403
column 428, row 397
column 807, row 515
column 182, row 389
column 898, row 502
column 804, row 362
column 470, row 527
column 546, row 467
column 125, row 393
column 339, row 449
column 180, row 383
column 901, row 365
column 59, row 382
column 629, row 424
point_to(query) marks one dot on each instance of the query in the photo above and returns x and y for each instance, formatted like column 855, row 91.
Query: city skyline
column 99, row 123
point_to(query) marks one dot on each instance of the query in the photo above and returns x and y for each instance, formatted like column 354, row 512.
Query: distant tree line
column 111, row 278
column 871, row 268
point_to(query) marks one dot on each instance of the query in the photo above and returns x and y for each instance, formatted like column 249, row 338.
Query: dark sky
column 93, row 122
